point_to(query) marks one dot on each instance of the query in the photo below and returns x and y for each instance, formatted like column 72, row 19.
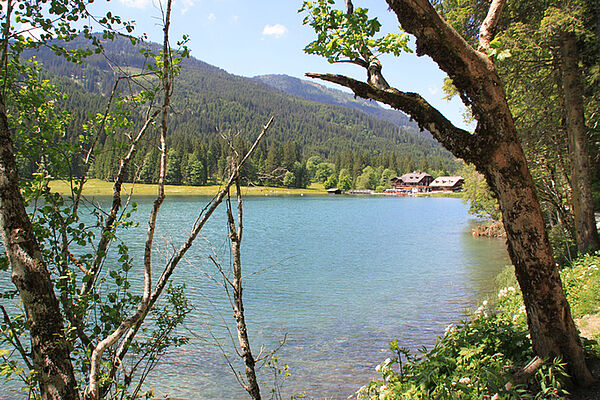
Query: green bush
column 582, row 285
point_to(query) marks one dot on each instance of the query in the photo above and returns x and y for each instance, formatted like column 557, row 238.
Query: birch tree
column 56, row 264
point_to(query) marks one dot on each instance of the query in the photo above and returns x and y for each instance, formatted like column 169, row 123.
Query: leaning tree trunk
column 495, row 151
column 581, row 169
column 553, row 332
column 49, row 347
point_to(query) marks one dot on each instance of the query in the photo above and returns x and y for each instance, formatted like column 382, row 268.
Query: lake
column 338, row 277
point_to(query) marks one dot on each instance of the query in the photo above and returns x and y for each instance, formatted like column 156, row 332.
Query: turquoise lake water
column 338, row 277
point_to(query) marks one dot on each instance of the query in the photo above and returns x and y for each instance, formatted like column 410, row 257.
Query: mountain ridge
column 310, row 90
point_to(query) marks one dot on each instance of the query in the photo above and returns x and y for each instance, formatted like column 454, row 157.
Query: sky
column 250, row 38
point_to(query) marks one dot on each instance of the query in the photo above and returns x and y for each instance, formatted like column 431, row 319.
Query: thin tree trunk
column 49, row 347
column 581, row 169
column 252, row 386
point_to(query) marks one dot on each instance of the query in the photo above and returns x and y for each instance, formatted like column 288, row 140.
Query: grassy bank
column 96, row 187
column 479, row 357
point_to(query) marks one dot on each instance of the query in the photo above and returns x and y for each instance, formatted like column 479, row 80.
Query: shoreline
column 97, row 187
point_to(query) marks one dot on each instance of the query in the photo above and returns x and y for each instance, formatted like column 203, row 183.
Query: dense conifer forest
column 310, row 141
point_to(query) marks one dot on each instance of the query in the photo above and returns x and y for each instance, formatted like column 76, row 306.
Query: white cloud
column 235, row 18
column 186, row 5
column 433, row 90
column 212, row 17
column 141, row 4
column 30, row 31
column 276, row 30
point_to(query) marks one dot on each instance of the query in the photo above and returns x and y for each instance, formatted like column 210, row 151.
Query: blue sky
column 250, row 38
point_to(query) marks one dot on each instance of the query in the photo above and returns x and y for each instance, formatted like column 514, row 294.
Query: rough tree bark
column 495, row 150
column 49, row 347
column 581, row 168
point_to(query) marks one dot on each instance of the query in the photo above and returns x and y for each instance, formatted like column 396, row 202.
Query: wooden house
column 412, row 182
column 447, row 184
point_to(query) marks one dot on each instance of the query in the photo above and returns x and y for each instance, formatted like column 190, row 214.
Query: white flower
column 464, row 380
column 378, row 368
column 485, row 303
column 361, row 391
column 449, row 328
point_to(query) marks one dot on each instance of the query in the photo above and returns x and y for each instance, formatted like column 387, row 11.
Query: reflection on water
column 339, row 279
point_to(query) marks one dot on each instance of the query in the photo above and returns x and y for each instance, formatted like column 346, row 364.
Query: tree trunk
column 496, row 152
column 581, row 169
column 49, row 347
column 252, row 387
column 553, row 332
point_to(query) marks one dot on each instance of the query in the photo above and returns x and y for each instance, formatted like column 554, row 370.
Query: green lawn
column 96, row 187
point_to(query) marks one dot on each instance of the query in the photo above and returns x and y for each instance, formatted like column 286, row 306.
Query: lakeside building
column 447, row 184
column 421, row 182
column 415, row 182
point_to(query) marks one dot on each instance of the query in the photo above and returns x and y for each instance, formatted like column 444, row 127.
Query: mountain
column 207, row 102
column 310, row 90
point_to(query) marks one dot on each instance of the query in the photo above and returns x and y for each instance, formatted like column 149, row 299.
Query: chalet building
column 447, row 184
column 412, row 182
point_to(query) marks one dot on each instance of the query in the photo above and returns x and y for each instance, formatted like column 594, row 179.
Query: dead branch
column 235, row 234
column 486, row 31
column 201, row 220
column 223, row 274
column 92, row 390
column 349, row 7
column 116, row 205
column 87, row 160
column 521, row 377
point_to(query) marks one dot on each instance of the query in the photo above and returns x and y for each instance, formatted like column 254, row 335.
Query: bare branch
column 486, row 31
column 235, row 234
column 223, row 274
column 92, row 390
column 15, row 339
column 523, row 375
column 116, row 205
column 205, row 214
column 260, row 358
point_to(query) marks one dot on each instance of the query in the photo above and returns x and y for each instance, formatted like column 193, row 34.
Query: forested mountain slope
column 208, row 101
column 309, row 90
